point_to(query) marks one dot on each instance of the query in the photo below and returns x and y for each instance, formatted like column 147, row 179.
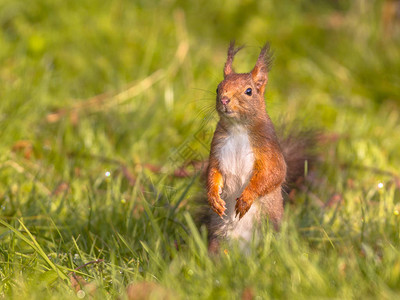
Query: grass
column 103, row 102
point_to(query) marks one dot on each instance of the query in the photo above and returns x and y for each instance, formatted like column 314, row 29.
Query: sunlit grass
column 102, row 103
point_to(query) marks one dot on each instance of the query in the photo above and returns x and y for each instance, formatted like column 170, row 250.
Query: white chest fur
column 236, row 157
column 236, row 161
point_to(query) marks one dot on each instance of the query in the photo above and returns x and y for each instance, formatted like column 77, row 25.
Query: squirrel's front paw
column 217, row 204
column 243, row 204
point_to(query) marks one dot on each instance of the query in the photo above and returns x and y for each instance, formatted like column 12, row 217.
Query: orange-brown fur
column 243, row 117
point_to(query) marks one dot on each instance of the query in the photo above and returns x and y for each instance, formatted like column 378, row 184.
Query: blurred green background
column 98, row 99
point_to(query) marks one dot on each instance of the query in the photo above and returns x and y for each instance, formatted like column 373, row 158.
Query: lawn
column 106, row 116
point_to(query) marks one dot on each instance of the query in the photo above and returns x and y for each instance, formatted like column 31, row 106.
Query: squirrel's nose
column 225, row 100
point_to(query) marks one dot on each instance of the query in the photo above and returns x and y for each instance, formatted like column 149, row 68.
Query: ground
column 106, row 105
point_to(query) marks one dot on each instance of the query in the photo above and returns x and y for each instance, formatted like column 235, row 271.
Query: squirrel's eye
column 248, row 92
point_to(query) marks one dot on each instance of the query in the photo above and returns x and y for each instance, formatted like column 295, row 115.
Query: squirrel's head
column 241, row 96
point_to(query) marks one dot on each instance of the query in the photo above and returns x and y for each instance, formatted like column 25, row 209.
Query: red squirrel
column 247, row 164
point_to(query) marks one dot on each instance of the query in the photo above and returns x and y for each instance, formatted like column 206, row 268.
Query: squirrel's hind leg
column 272, row 206
column 213, row 245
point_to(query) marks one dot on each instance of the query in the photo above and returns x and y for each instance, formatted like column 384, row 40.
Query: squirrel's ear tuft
column 228, row 69
column 262, row 67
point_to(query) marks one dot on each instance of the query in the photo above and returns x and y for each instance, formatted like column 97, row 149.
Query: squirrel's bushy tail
column 298, row 147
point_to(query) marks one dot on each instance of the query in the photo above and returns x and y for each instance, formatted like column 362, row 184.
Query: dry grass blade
column 107, row 100
column 104, row 100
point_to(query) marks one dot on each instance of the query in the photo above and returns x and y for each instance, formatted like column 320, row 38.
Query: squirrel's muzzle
column 225, row 100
